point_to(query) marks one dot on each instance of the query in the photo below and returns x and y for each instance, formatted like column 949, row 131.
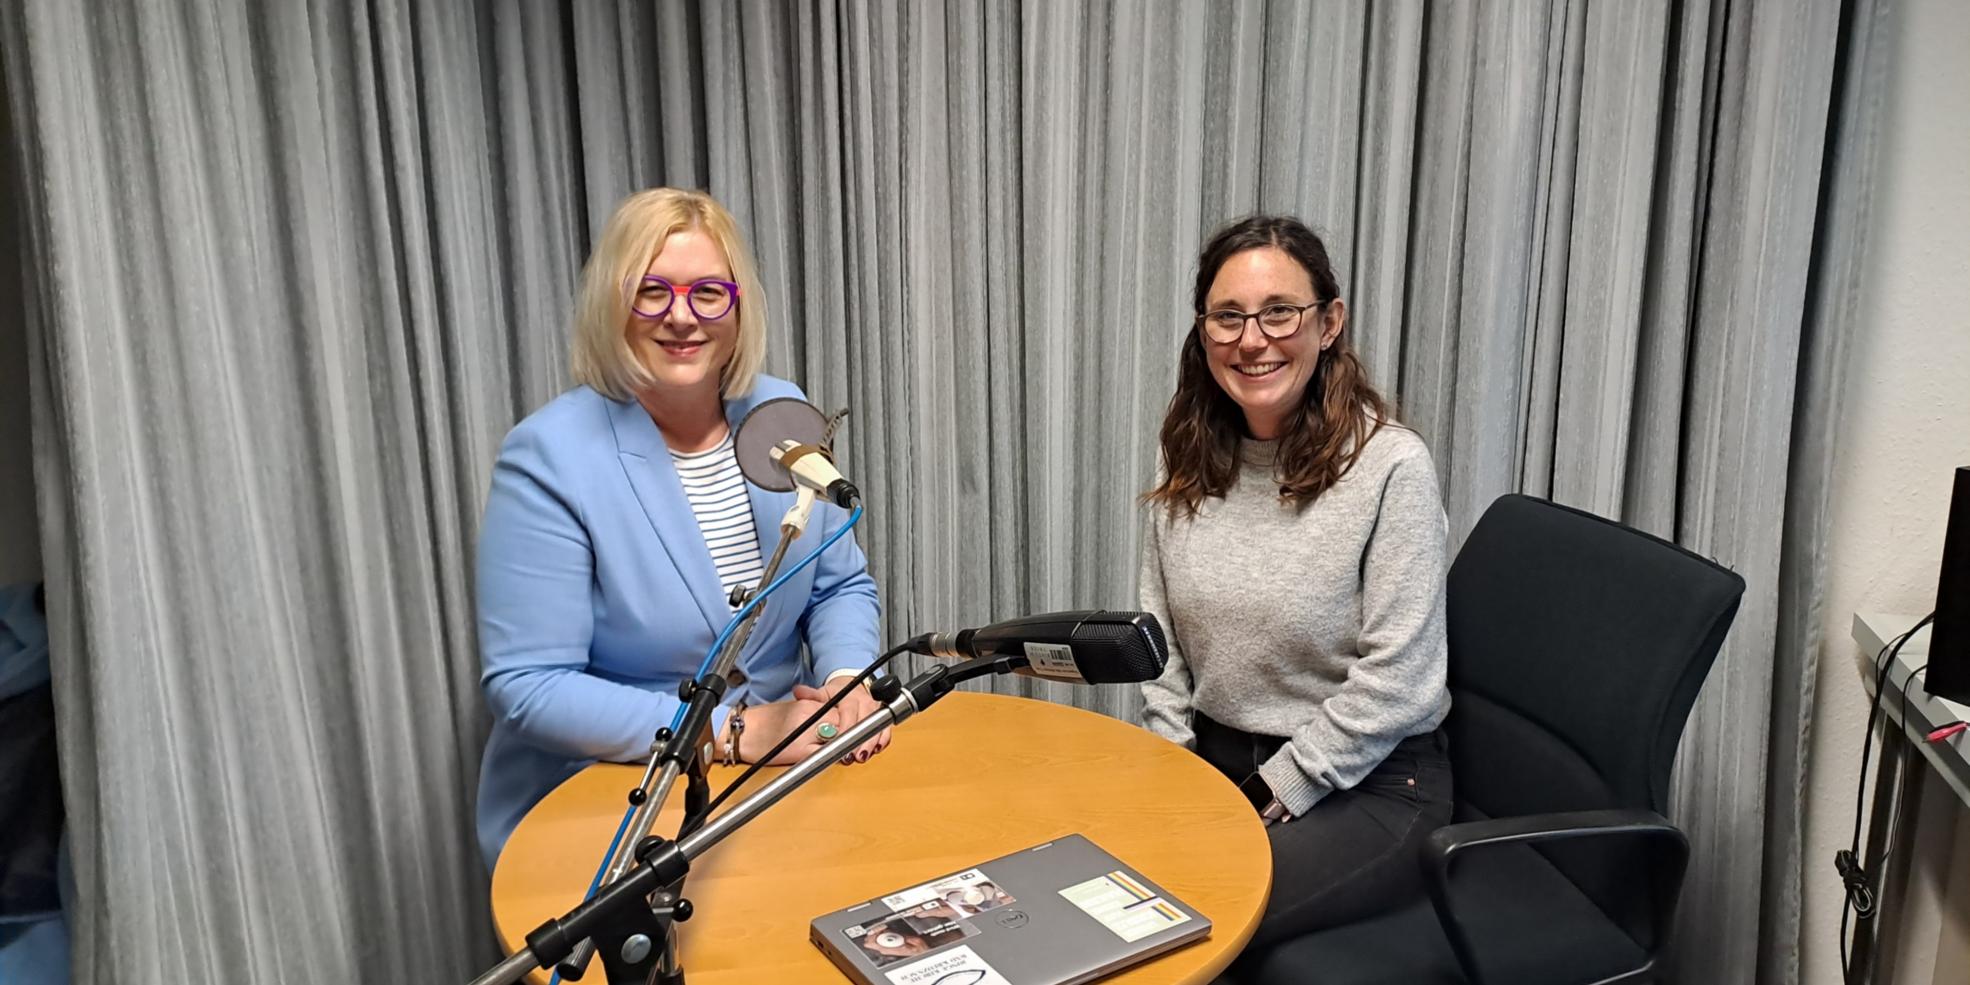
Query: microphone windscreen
column 1120, row 648
column 764, row 428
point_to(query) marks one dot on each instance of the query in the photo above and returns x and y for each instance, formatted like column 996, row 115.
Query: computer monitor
column 1949, row 637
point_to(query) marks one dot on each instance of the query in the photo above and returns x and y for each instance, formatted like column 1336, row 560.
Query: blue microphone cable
column 716, row 645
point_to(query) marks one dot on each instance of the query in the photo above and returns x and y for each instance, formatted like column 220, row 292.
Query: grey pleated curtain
column 298, row 267
column 270, row 367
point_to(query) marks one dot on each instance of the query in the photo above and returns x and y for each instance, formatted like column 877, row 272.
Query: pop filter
column 768, row 426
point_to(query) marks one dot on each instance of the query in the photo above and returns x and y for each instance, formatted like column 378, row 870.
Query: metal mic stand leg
column 669, row 904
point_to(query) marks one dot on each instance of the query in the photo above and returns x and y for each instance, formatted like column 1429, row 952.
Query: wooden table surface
column 975, row 777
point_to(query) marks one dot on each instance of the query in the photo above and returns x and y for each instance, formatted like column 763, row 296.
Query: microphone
column 782, row 444
column 811, row 466
column 1086, row 646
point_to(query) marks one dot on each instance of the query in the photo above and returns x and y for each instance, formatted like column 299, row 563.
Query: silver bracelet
column 734, row 727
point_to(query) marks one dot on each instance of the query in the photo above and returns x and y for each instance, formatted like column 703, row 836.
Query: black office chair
column 1576, row 648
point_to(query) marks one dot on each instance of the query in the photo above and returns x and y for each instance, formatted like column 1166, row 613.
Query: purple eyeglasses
column 709, row 298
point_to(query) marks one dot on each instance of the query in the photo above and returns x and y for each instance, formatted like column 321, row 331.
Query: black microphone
column 1088, row 646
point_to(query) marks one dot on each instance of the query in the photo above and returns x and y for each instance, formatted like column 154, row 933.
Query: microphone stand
column 621, row 915
column 674, row 754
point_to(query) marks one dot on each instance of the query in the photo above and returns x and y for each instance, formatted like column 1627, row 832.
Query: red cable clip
column 1948, row 731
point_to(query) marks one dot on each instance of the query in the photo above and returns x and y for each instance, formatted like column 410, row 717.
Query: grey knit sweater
column 1324, row 624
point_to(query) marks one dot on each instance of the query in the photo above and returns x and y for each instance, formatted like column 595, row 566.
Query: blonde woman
column 618, row 524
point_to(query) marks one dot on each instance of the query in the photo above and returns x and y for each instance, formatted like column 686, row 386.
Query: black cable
column 1860, row 899
column 1894, row 813
column 788, row 739
column 1862, row 902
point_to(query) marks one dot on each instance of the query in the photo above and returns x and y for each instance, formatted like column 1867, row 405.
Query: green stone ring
column 827, row 731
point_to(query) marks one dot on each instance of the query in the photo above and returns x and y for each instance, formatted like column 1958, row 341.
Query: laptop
column 1055, row 914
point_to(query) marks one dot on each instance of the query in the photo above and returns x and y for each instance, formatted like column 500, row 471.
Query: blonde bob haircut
column 634, row 236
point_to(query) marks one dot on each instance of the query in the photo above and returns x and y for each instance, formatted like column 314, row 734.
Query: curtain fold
column 297, row 268
column 1832, row 322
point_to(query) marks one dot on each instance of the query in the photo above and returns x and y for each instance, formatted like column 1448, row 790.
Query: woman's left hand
column 855, row 706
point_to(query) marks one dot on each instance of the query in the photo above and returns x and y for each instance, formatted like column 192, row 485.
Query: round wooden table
column 975, row 777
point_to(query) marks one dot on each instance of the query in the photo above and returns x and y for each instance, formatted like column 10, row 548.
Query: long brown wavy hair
column 1320, row 439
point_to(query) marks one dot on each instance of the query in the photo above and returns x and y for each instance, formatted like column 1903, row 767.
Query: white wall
column 20, row 551
column 1906, row 427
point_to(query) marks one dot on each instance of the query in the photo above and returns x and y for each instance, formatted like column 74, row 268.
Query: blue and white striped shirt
column 717, row 491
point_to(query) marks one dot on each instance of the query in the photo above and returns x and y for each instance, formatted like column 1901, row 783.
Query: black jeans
column 1358, row 852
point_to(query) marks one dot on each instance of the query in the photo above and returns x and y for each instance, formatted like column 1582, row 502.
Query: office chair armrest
column 1451, row 840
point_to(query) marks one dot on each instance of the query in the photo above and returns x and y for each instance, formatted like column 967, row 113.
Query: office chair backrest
column 1577, row 646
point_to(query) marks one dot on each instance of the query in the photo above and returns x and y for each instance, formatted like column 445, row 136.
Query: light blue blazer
column 597, row 598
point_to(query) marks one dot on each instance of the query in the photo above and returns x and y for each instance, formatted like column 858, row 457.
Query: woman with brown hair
column 1296, row 558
